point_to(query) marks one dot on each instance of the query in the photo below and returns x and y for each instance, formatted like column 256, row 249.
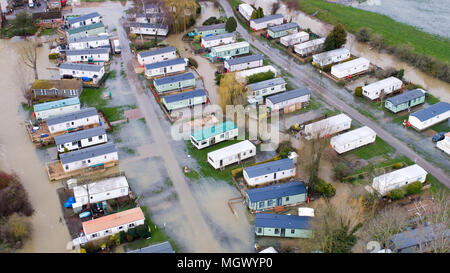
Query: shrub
column 396, row 194
column 218, row 78
column 377, row 41
column 18, row 228
column 358, row 91
column 341, row 83
column 398, row 165
column 211, row 21
column 363, row 34
column 132, row 232
column 197, row 38
column 341, row 170
column 53, row 56
column 143, row 231
column 324, row 188
column 123, row 237
column 413, row 188
column 262, row 76
column 132, row 36
column 327, row 68
column 284, row 149
column 231, row 24
column 237, row 172
column 193, row 62
column 13, row 197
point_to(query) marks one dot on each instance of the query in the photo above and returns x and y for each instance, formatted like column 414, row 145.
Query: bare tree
column 23, row 85
column 29, row 56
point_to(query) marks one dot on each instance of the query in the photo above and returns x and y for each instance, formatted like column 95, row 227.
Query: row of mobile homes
column 56, row 108
column 306, row 48
column 83, row 118
column 99, row 191
column 266, row 21
column 50, row 19
column 242, row 63
column 294, row 39
column 210, row 30
column 86, row 31
column 113, row 223
column 176, row 82
column 227, row 51
column 86, row 72
column 157, row 55
column 211, row 135
column 242, row 75
column 97, row 55
column 399, row 178
column 289, row 101
column 331, row 57
column 269, row 172
column 84, row 20
column 65, row 88
column 353, row 139
column 217, row 40
column 444, row 144
column 81, row 139
column 89, row 157
column 430, row 116
column 89, row 42
column 246, row 11
column 149, row 29
column 405, row 101
column 231, row 154
column 286, row 194
column 185, row 99
column 328, row 126
column 257, row 91
column 280, row 225
column 282, row 30
column 165, row 68
column 386, row 86
column 350, row 68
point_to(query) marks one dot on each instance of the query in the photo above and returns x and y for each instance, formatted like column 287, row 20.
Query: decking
column 55, row 170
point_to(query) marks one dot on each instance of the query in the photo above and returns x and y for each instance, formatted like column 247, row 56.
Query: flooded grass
column 441, row 127
column 380, row 147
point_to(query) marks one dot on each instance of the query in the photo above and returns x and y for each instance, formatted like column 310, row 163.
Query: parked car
column 31, row 3
column 439, row 136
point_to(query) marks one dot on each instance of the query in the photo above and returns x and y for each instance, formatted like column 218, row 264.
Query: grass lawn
column 112, row 74
column 394, row 33
column 47, row 31
column 387, row 162
column 366, row 113
column 380, row 147
column 441, row 127
column 430, row 99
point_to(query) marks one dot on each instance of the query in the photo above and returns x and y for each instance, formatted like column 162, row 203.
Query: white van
column 31, row 3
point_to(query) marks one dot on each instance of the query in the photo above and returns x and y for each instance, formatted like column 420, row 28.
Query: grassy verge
column 366, row 113
column 47, row 31
column 441, row 127
column 387, row 162
column 380, row 147
column 430, row 99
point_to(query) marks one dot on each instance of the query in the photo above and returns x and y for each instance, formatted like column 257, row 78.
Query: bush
column 327, row 68
column 132, row 36
column 324, row 188
column 17, row 228
column 123, row 237
column 396, row 194
column 358, row 91
column 341, row 170
column 218, row 78
column 231, row 24
column 363, row 34
column 197, row 38
column 413, row 188
column 237, row 172
column 193, row 62
column 212, row 21
column 143, row 231
column 132, row 232
column 377, row 41
column 341, row 83
column 398, row 165
column 13, row 197
column 262, row 76
column 53, row 56
column 284, row 149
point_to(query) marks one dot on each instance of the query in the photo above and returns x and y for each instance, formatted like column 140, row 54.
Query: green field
column 380, row 147
column 394, row 33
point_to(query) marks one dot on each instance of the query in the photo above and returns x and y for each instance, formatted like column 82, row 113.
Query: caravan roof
column 353, row 135
column 231, row 150
column 276, row 191
column 269, row 167
column 56, row 104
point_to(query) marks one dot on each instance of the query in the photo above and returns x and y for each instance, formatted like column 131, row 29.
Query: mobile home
column 149, row 18
column 331, row 57
column 215, row 29
column 306, row 48
column 81, row 139
column 266, row 21
column 386, row 86
column 149, row 29
column 246, row 11
column 430, row 116
column 353, row 139
column 350, row 68
column 231, row 154
column 82, row 71
column 420, row 238
column 157, row 55
column 280, row 225
column 86, row 31
column 328, row 126
column 56, row 108
column 227, row 51
column 282, row 30
column 66, row 88
column 97, row 55
column 444, row 144
column 89, row 42
column 83, row 20
column 99, row 191
column 50, row 19
column 217, row 40
column 242, row 75
column 242, row 63
column 211, row 135
column 67, row 122
column 294, row 39
column 269, row 172
column 176, row 82
column 165, row 67
column 286, row 194
column 257, row 91
column 399, row 178
column 185, row 99
column 289, row 101
column 405, row 100
column 89, row 157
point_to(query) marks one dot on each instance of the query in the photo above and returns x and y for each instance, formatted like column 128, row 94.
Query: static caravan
column 99, row 191
column 149, row 29
column 286, row 194
column 281, row 225
column 444, row 144
column 89, row 157
column 328, row 126
column 417, row 239
column 66, row 88
column 430, row 116
column 49, row 19
column 294, row 39
column 350, row 68
column 217, row 40
column 96, row 55
column 165, row 67
column 83, row 20
column 386, row 86
column 149, row 18
column 157, row 55
column 56, row 108
column 211, row 135
column 152, row 8
column 266, row 21
column 84, row 117
column 406, row 100
column 89, row 42
column 282, row 30
column 113, row 223
column 246, row 11
column 81, row 139
column 185, row 99
column 242, row 75
column 242, row 63
column 306, row 48
column 331, row 57
column 176, row 82
column 269, row 172
column 257, row 91
column 228, row 51
column 86, row 31
column 399, row 178
column 353, row 139
column 85, row 72
column 231, row 154
column 289, row 101
column 210, row 30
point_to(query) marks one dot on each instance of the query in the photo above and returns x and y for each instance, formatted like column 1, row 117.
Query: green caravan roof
column 213, row 130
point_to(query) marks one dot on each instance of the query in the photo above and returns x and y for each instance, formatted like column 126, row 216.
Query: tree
column 254, row 15
column 23, row 84
column 293, row 5
column 358, row 91
column 182, row 13
column 275, row 7
column 231, row 24
column 363, row 34
column 22, row 25
column 18, row 228
column 231, row 92
column 336, row 39
column 260, row 12
column 377, row 41
column 13, row 197
column 29, row 56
